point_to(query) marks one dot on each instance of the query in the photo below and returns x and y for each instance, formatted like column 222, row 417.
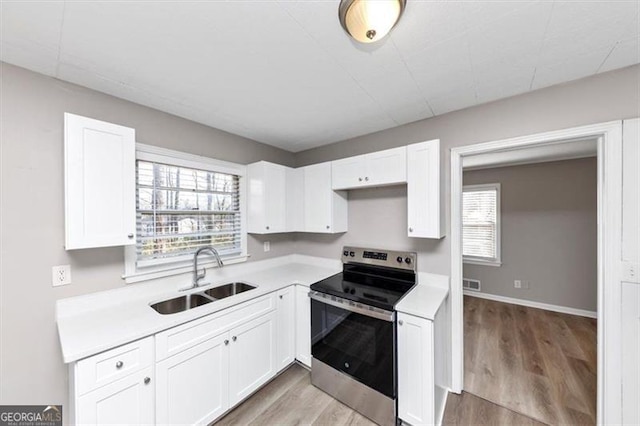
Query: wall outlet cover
column 267, row 246
column 61, row 275
column 517, row 284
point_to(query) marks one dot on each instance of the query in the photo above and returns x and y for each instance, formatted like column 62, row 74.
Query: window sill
column 479, row 262
column 182, row 268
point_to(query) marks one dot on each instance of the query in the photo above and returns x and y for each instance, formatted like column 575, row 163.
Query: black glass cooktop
column 379, row 287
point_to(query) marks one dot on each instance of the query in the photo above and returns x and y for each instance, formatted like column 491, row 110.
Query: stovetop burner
column 372, row 277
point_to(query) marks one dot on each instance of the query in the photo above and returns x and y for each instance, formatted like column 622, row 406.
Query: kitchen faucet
column 196, row 276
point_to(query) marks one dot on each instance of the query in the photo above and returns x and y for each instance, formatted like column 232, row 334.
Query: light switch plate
column 61, row 275
column 517, row 284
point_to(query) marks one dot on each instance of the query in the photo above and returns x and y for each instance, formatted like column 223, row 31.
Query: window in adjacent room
column 185, row 202
column 481, row 224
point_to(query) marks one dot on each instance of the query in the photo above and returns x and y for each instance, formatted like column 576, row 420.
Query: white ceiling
column 563, row 150
column 284, row 73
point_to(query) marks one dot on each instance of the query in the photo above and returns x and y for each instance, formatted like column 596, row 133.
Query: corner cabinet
column 100, row 204
column 325, row 210
column 425, row 208
column 273, row 198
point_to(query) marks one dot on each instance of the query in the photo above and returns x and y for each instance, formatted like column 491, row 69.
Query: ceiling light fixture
column 368, row 21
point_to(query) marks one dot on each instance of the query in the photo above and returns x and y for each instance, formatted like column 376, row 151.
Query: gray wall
column 32, row 211
column 609, row 96
column 549, row 232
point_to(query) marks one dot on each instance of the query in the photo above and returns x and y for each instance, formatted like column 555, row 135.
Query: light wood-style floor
column 291, row 399
column 538, row 363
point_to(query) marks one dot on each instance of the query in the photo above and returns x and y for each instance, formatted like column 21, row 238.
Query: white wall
column 548, row 233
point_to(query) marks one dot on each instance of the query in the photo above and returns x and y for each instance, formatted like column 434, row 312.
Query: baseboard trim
column 531, row 304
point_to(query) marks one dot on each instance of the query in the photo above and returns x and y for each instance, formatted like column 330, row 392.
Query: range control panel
column 406, row 260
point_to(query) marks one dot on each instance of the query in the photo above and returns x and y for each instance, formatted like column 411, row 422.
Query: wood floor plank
column 468, row 409
column 538, row 363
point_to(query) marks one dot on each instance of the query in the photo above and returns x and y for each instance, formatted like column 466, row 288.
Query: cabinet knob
column 367, row 178
column 267, row 227
column 119, row 364
column 234, row 338
column 410, row 229
column 400, row 322
column 130, row 236
column 226, row 342
column 280, row 296
column 328, row 227
column 359, row 179
column 147, row 380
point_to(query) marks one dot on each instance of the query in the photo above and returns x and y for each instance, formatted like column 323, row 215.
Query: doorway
column 609, row 147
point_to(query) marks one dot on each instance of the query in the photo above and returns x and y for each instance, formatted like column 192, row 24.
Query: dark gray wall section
column 549, row 233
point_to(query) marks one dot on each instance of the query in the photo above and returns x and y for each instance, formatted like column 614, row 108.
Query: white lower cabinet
column 303, row 325
column 286, row 327
column 192, row 386
column 252, row 357
column 125, row 401
column 415, row 370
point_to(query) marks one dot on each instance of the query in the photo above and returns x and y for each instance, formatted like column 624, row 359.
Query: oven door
column 355, row 340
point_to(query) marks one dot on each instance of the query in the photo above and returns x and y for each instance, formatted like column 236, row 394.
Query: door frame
column 609, row 141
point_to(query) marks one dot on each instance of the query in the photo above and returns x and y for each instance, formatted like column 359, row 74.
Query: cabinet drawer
column 185, row 336
column 106, row 367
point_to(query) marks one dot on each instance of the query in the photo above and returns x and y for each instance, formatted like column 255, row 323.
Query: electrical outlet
column 517, row 284
column 266, row 246
column 631, row 272
column 61, row 275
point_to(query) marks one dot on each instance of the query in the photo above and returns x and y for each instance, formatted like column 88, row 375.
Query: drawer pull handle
column 359, row 179
column 119, row 364
column 226, row 342
column 400, row 322
column 234, row 338
column 367, row 179
column 130, row 236
column 410, row 229
column 147, row 380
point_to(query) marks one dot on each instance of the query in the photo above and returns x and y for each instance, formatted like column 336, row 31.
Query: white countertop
column 100, row 321
column 425, row 299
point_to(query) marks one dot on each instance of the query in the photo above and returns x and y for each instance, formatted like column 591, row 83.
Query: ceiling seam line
column 542, row 44
column 406, row 67
column 64, row 12
column 340, row 66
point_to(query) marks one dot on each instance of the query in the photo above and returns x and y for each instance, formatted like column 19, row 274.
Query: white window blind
column 480, row 223
column 180, row 209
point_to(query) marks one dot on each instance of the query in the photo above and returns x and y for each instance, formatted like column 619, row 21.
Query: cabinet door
column 100, row 190
column 125, row 401
column 303, row 325
column 285, row 327
column 415, row 370
column 425, row 217
column 348, row 172
column 267, row 201
column 193, row 386
column 386, row 167
column 252, row 356
column 318, row 207
column 295, row 195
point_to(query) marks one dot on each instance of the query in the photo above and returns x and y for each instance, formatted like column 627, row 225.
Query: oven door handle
column 348, row 305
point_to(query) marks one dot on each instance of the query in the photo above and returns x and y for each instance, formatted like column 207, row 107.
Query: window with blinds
column 180, row 209
column 481, row 223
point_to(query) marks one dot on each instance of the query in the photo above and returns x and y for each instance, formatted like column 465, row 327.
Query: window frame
column 475, row 260
column 163, row 268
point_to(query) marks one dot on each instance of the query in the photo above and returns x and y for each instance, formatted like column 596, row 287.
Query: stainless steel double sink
column 193, row 300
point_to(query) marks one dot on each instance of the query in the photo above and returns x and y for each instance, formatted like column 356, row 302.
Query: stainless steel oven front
column 354, row 356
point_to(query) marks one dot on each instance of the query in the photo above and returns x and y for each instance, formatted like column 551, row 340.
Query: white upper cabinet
column 325, row 210
column 424, row 205
column 267, row 202
column 388, row 167
column 100, row 191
